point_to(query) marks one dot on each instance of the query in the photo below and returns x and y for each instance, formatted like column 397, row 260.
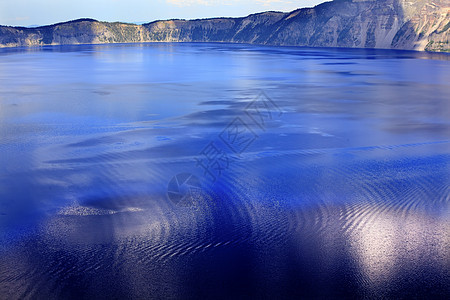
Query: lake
column 223, row 171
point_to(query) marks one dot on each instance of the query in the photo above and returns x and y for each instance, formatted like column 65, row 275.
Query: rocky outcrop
column 390, row 24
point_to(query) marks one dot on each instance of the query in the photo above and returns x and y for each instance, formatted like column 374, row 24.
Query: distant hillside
column 391, row 24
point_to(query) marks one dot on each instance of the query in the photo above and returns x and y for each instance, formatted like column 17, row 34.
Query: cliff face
column 396, row 24
column 83, row 31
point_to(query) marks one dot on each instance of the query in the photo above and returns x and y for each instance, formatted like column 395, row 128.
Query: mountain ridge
column 388, row 24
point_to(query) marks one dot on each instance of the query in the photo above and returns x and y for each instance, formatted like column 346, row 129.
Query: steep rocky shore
column 390, row 24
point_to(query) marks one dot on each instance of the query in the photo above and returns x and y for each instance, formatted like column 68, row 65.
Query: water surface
column 343, row 192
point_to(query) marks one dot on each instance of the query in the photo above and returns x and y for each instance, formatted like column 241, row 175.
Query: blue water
column 223, row 171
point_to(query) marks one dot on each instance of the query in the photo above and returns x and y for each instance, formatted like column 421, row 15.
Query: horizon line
column 36, row 26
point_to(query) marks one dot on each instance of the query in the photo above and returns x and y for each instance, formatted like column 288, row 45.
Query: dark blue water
column 223, row 171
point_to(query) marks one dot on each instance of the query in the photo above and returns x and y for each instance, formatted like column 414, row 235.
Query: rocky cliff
column 396, row 24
